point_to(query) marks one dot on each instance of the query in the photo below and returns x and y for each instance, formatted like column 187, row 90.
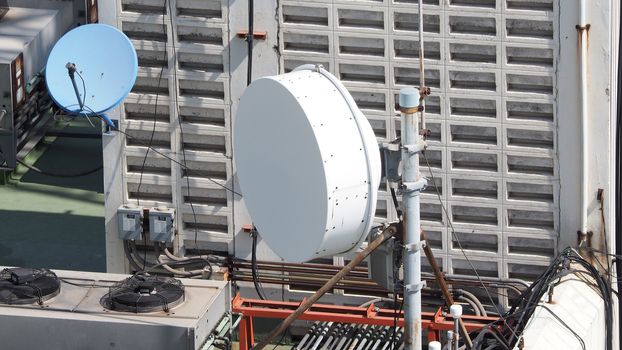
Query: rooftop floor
column 55, row 222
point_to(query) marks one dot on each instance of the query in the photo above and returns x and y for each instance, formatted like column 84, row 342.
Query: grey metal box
column 130, row 219
column 27, row 36
column 161, row 228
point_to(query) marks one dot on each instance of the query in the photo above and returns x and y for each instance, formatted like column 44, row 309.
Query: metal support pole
column 456, row 312
column 411, row 187
column 450, row 340
column 582, row 30
column 440, row 280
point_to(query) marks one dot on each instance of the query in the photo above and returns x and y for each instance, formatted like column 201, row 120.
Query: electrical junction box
column 161, row 224
column 130, row 221
column 384, row 263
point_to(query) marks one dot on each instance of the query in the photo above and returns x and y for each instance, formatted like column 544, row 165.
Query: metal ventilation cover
column 144, row 293
column 27, row 286
column 308, row 164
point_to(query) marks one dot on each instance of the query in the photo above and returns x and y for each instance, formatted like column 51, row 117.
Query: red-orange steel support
column 434, row 322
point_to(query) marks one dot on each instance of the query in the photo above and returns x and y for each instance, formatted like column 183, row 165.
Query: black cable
column 249, row 39
column 51, row 173
column 280, row 340
column 181, row 131
column 601, row 201
column 618, row 177
column 155, row 115
column 563, row 324
column 115, row 128
column 83, row 89
column 523, row 308
column 63, row 175
column 455, row 237
column 395, row 203
column 256, row 282
column 155, row 119
column 3, row 159
column 85, row 285
column 395, row 318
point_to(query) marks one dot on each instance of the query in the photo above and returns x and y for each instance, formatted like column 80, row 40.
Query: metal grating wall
column 491, row 67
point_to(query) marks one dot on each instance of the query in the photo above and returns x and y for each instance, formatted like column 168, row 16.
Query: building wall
column 503, row 113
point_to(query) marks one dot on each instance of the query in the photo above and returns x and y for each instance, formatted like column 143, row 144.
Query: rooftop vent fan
column 27, row 286
column 144, row 293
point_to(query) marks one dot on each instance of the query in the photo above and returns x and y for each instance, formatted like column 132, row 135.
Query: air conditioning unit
column 47, row 309
column 26, row 37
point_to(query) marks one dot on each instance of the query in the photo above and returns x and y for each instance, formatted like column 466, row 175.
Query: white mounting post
column 456, row 312
column 411, row 186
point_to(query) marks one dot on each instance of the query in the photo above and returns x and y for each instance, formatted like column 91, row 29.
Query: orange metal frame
column 434, row 322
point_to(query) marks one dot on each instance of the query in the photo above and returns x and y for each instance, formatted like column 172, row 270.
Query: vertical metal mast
column 412, row 184
column 411, row 102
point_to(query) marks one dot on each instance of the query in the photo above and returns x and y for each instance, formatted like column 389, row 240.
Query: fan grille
column 27, row 286
column 144, row 293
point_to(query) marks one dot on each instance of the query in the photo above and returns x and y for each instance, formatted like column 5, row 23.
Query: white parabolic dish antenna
column 308, row 164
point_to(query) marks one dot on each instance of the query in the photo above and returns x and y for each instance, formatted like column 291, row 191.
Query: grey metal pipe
column 451, row 277
column 365, row 337
column 375, row 334
column 475, row 300
column 306, row 336
column 358, row 337
column 471, row 304
column 381, row 338
column 583, row 28
column 412, row 185
column 332, row 337
column 321, row 335
column 343, row 337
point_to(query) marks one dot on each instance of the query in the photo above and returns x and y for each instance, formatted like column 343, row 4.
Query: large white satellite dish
column 308, row 164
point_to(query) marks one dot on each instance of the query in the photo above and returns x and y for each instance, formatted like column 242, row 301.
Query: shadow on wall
column 77, row 242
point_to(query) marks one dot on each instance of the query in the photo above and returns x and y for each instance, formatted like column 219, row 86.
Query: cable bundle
column 507, row 331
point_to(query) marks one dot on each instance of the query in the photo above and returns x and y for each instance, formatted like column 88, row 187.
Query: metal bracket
column 391, row 156
column 421, row 145
column 257, row 35
column 414, row 288
column 418, row 185
column 415, row 247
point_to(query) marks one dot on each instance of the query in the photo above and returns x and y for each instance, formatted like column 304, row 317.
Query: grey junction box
column 161, row 227
column 130, row 221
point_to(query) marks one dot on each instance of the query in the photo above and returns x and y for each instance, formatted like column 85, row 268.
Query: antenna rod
column 71, row 69
column 422, row 86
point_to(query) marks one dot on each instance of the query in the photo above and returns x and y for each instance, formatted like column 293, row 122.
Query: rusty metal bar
column 386, row 234
column 449, row 300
